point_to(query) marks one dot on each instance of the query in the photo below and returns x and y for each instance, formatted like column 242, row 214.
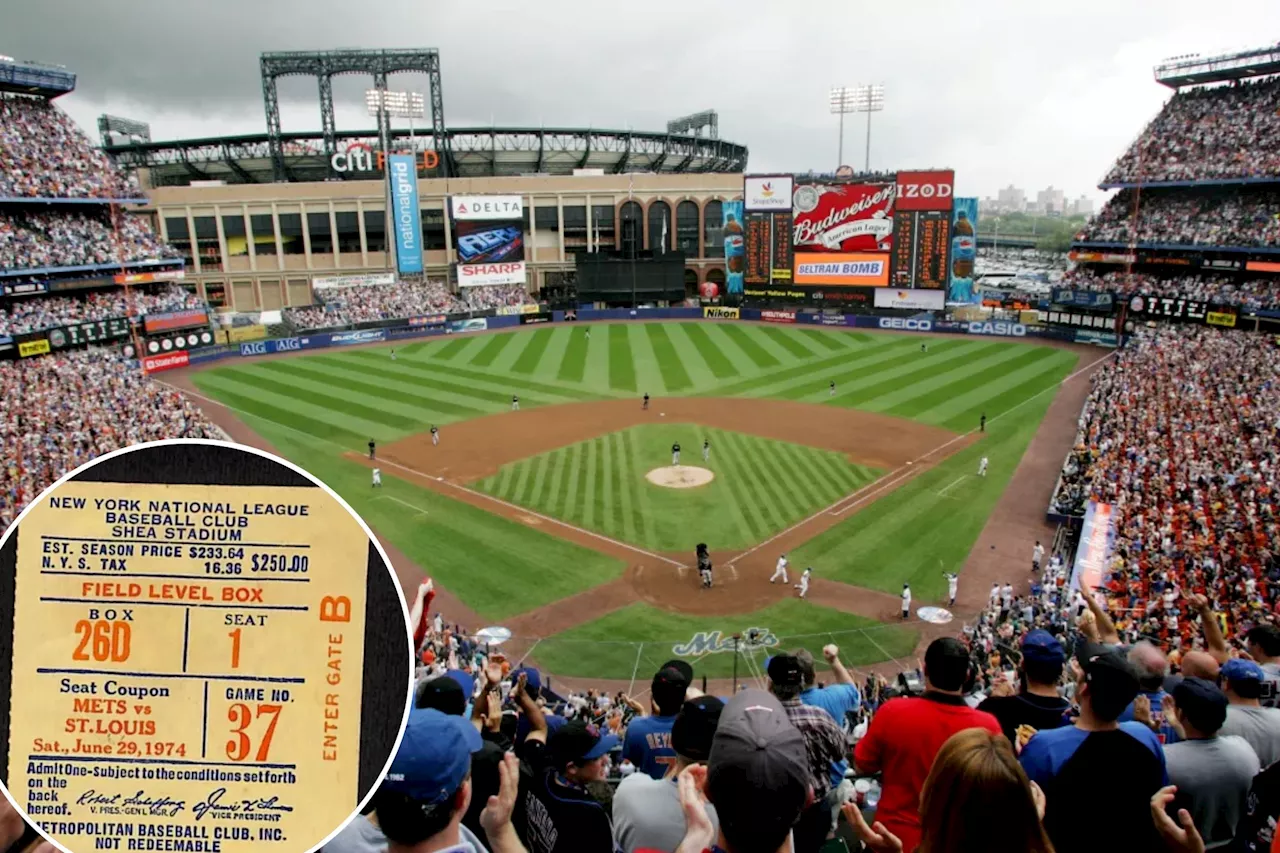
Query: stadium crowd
column 59, row 411
column 1257, row 294
column 1046, row 707
column 31, row 314
column 369, row 303
column 43, row 154
column 32, row 239
column 1189, row 217
column 1216, row 133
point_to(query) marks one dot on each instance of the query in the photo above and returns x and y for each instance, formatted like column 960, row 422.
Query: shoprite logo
column 360, row 157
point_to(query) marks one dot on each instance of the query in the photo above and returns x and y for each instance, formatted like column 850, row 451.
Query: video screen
column 489, row 242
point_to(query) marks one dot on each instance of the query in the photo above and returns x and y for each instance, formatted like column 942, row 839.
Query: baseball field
column 544, row 520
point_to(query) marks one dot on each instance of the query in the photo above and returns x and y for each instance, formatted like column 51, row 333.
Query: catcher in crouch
column 704, row 565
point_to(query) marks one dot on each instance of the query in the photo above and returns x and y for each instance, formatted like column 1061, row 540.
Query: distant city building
column 1050, row 201
column 1082, row 206
column 1011, row 200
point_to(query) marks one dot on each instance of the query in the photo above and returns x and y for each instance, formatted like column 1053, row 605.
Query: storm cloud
column 1005, row 91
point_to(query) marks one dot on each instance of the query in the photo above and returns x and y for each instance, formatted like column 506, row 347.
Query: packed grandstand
column 1170, row 669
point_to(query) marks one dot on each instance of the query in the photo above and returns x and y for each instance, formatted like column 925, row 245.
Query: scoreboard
column 767, row 242
column 921, row 249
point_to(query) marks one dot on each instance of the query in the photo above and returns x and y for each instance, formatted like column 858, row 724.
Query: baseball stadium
column 610, row 399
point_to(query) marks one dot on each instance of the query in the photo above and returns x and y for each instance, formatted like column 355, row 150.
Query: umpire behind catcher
column 704, row 565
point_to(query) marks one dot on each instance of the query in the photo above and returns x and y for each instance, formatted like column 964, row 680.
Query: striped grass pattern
column 761, row 486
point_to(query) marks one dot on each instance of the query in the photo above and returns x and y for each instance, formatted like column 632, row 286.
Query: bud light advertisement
column 964, row 249
column 735, row 251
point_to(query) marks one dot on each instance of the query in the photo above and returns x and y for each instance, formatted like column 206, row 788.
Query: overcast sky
column 1003, row 91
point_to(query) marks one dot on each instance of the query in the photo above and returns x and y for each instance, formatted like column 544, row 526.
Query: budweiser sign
column 843, row 217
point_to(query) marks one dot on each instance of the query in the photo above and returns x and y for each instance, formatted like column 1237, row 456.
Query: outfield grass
column 314, row 407
column 641, row 638
column 760, row 487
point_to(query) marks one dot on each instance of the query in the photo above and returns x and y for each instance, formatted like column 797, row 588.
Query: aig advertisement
column 735, row 252
column 403, row 175
column 964, row 249
column 489, row 238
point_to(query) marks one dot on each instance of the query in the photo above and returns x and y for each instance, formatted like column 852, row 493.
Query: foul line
column 896, row 476
column 404, row 503
column 481, row 495
column 957, row 481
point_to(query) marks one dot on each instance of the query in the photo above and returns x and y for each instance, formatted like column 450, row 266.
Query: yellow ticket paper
column 187, row 667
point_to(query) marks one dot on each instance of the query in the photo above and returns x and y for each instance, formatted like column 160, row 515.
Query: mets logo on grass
column 720, row 313
column 715, row 642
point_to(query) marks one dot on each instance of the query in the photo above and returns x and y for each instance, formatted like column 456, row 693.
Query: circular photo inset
column 204, row 649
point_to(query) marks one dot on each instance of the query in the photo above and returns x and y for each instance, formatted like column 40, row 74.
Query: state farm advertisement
column 925, row 190
column 480, row 275
column 842, row 217
column 168, row 361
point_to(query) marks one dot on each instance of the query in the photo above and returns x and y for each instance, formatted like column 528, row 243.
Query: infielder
column 953, row 583
column 675, row 453
column 803, row 586
column 781, row 570
column 435, row 435
column 377, row 477
column 515, row 403
column 706, row 450
column 1037, row 555
column 982, row 467
column 906, row 601
column 645, row 406
column 371, row 448
column 833, row 387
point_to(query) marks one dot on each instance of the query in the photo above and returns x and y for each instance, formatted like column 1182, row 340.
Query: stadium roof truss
column 1195, row 69
column 475, row 152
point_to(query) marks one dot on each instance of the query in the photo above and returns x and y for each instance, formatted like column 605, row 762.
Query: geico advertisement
column 906, row 324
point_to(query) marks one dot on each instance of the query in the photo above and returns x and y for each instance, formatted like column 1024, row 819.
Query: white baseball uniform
column 906, row 601
column 515, row 403
column 803, row 586
column 1007, row 595
column 995, row 593
column 982, row 467
column 780, row 571
column 1037, row 554
column 435, row 436
column 706, row 451
column 953, row 583
column 377, row 476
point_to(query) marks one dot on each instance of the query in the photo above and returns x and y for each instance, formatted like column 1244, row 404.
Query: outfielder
column 675, row 453
column 372, row 446
column 906, row 601
column 704, row 565
column 435, row 435
column 803, row 586
column 982, row 467
column 781, row 570
column 377, row 477
column 515, row 403
column 953, row 582
column 393, row 354
column 706, row 450
column 833, row 387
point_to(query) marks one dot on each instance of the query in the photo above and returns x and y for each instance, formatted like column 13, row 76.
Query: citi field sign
column 360, row 157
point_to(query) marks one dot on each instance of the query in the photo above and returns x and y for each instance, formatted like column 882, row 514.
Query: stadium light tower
column 857, row 99
column 408, row 105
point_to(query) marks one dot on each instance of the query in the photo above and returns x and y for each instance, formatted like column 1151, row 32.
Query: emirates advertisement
column 843, row 217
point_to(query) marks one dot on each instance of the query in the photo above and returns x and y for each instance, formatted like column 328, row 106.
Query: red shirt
column 903, row 739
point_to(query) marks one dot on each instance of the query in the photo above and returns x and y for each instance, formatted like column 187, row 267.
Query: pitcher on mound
column 675, row 453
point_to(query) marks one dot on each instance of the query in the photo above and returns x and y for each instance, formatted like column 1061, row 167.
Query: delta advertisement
column 1094, row 552
column 964, row 249
column 489, row 238
column 842, row 218
column 911, row 300
column 407, row 223
column 735, row 258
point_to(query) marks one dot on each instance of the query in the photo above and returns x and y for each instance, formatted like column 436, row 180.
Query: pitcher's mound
column 680, row 477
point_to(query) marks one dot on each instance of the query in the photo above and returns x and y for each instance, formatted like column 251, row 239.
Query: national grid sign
column 404, row 202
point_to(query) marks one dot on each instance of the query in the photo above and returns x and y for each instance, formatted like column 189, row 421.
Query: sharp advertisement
column 407, row 222
column 481, row 275
column 489, row 237
column 842, row 217
column 964, row 249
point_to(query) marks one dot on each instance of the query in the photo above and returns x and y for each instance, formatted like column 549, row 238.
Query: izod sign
column 360, row 157
column 925, row 190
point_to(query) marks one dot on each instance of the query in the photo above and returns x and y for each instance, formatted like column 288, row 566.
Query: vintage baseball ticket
column 187, row 666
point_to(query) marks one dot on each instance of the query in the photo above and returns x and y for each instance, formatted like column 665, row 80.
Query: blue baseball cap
column 1039, row 646
column 578, row 742
column 465, row 680
column 434, row 756
column 1239, row 669
column 532, row 680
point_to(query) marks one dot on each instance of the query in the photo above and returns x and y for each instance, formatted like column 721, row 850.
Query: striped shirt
column 825, row 742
